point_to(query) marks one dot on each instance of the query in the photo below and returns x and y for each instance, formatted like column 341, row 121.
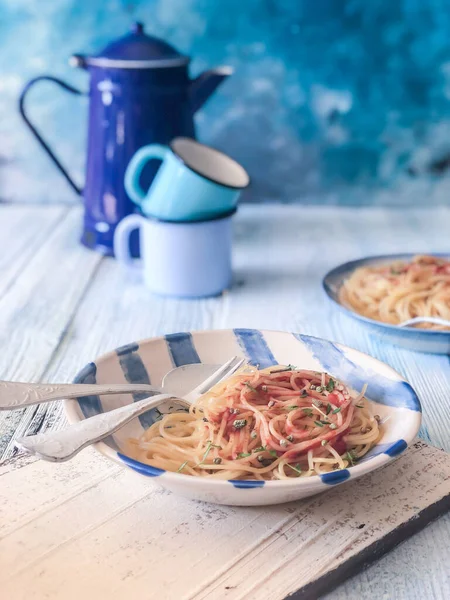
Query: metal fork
column 62, row 445
column 432, row 320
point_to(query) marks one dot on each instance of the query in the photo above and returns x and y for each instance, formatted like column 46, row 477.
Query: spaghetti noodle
column 276, row 423
column 400, row 291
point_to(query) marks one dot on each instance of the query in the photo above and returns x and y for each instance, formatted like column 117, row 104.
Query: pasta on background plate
column 400, row 291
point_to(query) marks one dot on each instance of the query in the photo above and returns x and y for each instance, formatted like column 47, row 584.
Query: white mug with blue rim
column 194, row 181
column 190, row 259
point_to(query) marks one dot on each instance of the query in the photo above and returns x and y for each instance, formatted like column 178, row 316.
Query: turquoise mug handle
column 135, row 167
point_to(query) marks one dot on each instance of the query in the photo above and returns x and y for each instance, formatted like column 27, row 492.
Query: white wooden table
column 61, row 305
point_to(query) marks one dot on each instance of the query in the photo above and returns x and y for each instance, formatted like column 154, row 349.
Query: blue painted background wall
column 332, row 100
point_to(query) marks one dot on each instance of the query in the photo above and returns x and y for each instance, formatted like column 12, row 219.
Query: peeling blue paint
column 92, row 405
column 335, row 477
column 134, row 371
column 246, row 484
column 380, row 389
column 182, row 349
column 147, row 470
column 255, row 347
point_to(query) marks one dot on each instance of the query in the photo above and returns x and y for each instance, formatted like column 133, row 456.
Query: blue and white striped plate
column 419, row 340
column 149, row 360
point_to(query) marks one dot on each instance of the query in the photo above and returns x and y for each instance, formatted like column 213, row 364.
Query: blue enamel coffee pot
column 140, row 93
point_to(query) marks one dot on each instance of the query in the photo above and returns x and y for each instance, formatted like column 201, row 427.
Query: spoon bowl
column 17, row 394
column 63, row 445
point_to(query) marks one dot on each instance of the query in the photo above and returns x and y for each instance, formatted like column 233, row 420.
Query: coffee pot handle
column 36, row 133
column 135, row 168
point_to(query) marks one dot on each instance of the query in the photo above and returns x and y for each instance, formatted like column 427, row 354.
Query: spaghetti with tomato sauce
column 270, row 424
column 396, row 292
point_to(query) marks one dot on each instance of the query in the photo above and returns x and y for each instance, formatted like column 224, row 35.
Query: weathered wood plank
column 78, row 515
column 281, row 254
column 23, row 230
column 35, row 311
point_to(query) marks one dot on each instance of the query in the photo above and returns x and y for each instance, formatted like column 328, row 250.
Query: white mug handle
column 122, row 238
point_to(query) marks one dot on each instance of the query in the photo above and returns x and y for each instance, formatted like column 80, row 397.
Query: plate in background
column 420, row 340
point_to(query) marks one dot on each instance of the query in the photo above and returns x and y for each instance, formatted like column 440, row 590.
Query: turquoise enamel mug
column 194, row 181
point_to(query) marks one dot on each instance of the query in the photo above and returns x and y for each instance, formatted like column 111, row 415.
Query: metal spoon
column 62, row 445
column 432, row 320
column 14, row 395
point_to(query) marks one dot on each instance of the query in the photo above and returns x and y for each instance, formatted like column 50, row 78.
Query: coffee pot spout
column 205, row 84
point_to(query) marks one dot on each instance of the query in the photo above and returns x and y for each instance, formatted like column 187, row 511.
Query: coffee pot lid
column 135, row 50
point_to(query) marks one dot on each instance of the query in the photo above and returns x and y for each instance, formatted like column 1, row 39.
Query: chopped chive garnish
column 292, row 407
column 304, row 394
column 350, row 457
column 273, row 453
column 260, row 449
column 336, row 410
column 308, row 412
column 239, row 423
column 253, row 435
column 244, row 454
column 250, row 386
column 328, row 408
column 217, row 460
column 333, row 426
column 181, row 467
column 296, row 468
column 207, row 451
column 325, row 422
column 359, row 406
column 288, row 368
column 318, row 423
column 330, row 385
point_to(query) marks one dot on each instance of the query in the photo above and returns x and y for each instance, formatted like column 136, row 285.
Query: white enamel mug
column 181, row 259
